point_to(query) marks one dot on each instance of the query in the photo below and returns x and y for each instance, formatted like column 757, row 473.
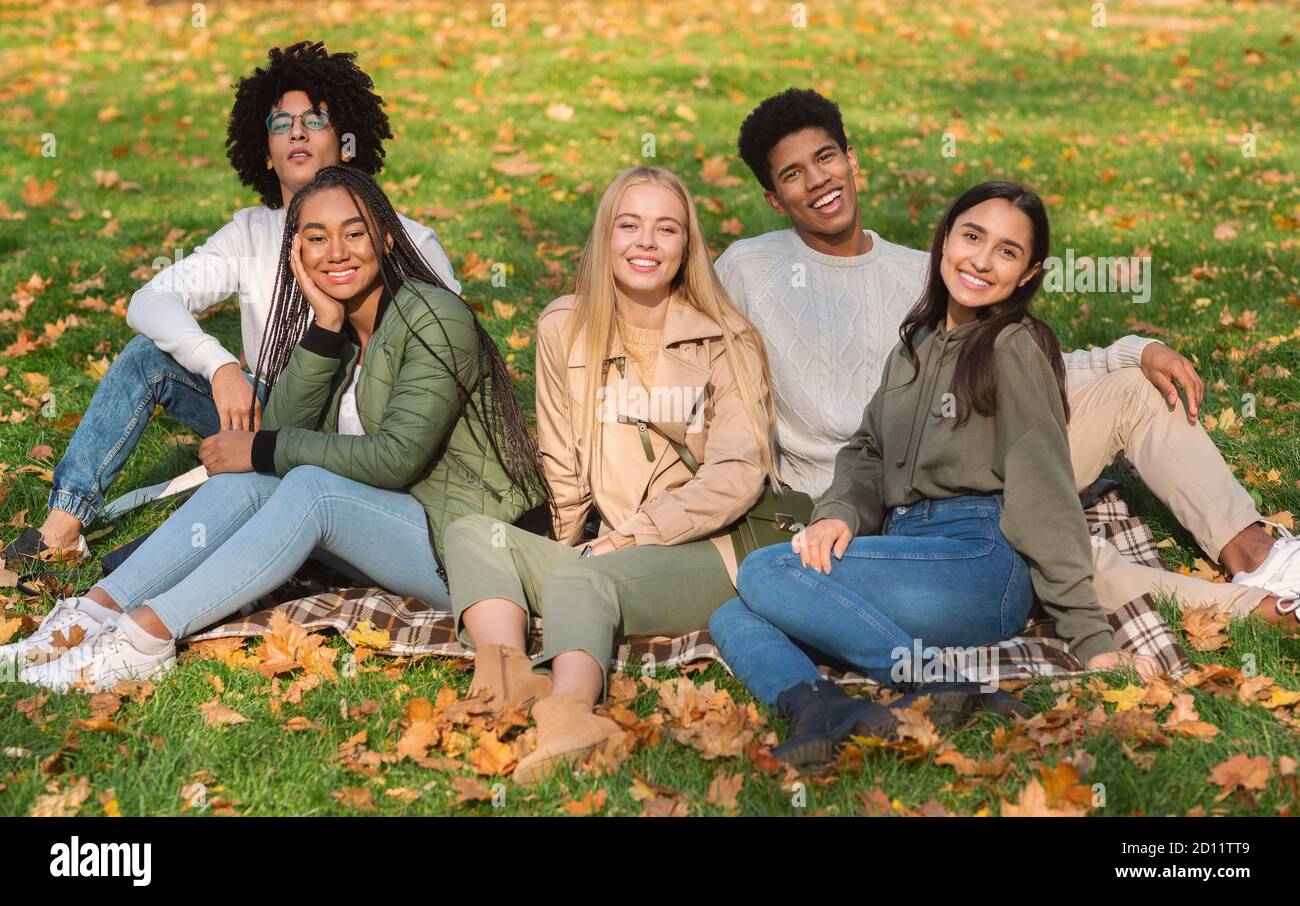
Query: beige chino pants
column 1124, row 413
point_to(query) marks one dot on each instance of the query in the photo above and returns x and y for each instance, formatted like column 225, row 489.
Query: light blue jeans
column 140, row 378
column 242, row 534
column 941, row 576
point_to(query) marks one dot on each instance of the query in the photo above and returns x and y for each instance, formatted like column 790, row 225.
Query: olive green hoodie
column 910, row 447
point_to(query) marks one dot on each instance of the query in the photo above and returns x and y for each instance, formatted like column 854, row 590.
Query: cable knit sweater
column 829, row 323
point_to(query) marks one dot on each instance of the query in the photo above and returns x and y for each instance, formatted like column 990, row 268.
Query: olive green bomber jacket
column 910, row 447
column 419, row 436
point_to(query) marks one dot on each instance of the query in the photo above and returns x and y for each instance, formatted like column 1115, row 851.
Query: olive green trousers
column 586, row 604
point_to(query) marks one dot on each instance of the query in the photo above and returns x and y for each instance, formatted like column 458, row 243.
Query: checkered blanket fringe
column 318, row 600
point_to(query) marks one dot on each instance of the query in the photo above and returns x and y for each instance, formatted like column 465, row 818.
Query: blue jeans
column 140, row 378
column 942, row 575
column 242, row 534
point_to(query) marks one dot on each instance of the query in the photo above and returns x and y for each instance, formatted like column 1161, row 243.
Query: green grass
column 1094, row 118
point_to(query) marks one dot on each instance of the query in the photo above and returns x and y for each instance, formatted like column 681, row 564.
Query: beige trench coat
column 693, row 399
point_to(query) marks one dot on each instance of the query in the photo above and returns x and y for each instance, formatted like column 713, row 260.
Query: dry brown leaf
column 725, row 789
column 288, row 646
column 228, row 651
column 914, row 725
column 590, row 802
column 713, row 170
column 61, row 802
column 1227, row 230
column 217, row 714
column 1184, row 720
column 355, row 797
column 1032, row 803
column 516, row 166
column 97, row 725
column 36, row 194
column 137, row 689
column 1205, row 627
column 470, row 789
column 957, row 761
column 519, row 340
column 491, row 756
column 104, row 704
column 1241, row 772
column 8, row 628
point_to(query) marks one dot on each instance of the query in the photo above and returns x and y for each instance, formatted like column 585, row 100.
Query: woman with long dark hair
column 391, row 413
column 952, row 506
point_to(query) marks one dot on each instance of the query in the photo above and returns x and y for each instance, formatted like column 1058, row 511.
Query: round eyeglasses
column 314, row 119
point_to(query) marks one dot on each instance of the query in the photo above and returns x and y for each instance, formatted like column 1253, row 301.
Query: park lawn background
column 505, row 136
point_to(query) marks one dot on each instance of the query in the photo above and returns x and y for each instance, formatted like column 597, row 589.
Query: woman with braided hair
column 390, row 414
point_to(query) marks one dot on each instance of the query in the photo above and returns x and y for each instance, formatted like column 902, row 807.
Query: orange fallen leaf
column 355, row 797
column 724, row 789
column 470, row 789
column 61, row 802
column 36, row 194
column 1205, row 627
column 1241, row 772
column 217, row 714
column 1186, row 722
column 1032, row 803
column 491, row 756
column 588, row 803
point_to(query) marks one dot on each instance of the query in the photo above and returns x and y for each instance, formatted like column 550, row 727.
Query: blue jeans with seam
column 242, row 534
column 140, row 378
column 941, row 575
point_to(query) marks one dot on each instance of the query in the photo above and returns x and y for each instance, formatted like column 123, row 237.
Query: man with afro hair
column 829, row 296
column 305, row 109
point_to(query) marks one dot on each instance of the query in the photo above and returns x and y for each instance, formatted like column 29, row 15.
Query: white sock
column 141, row 639
column 96, row 610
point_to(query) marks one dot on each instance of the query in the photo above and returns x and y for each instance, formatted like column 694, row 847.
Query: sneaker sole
column 64, row 685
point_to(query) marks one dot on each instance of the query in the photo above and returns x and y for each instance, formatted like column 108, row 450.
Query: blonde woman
column 654, row 418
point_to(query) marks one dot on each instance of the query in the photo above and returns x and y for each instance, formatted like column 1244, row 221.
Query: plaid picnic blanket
column 319, row 600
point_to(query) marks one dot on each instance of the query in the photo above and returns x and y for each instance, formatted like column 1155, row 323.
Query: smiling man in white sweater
column 306, row 109
column 829, row 297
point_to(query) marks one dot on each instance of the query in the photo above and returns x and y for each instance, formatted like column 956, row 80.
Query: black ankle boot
column 952, row 703
column 819, row 715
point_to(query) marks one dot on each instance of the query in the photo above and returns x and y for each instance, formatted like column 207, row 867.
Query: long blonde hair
column 696, row 284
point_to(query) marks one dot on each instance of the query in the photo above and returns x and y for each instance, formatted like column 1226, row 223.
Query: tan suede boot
column 567, row 730
column 506, row 675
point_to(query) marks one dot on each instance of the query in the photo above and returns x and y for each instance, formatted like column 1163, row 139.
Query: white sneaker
column 1280, row 571
column 106, row 656
column 66, row 614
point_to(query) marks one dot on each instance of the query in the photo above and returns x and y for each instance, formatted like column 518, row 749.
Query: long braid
column 290, row 317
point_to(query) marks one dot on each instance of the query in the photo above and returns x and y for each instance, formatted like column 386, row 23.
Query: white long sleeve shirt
column 240, row 259
column 829, row 323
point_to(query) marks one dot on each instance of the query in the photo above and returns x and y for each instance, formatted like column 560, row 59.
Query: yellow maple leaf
column 1124, row 699
column 366, row 635
column 1281, row 698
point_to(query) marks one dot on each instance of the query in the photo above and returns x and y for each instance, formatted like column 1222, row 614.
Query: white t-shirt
column 240, row 258
column 349, row 419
